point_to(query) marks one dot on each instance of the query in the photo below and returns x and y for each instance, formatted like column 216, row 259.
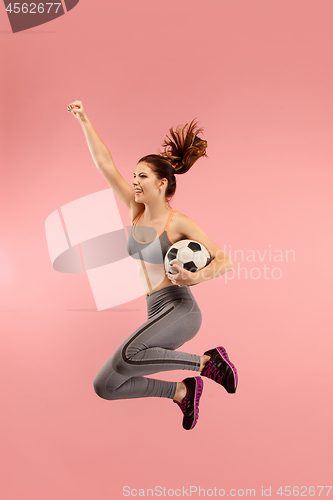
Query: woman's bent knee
column 99, row 387
column 120, row 363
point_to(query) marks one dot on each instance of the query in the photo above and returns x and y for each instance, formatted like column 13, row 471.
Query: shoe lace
column 213, row 372
column 182, row 405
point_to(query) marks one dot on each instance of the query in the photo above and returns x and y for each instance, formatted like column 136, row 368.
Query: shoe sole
column 198, row 393
column 221, row 350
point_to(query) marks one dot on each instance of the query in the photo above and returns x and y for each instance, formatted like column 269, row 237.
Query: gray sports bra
column 154, row 250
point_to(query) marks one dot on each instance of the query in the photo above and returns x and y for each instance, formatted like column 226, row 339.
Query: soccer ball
column 188, row 254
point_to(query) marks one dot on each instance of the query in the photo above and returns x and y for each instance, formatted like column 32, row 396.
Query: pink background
column 258, row 76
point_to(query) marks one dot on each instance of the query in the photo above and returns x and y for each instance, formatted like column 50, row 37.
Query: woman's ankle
column 180, row 393
column 203, row 361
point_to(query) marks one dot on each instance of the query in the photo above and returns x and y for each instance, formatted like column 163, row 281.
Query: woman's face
column 145, row 183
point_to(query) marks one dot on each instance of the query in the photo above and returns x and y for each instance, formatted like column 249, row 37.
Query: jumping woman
column 173, row 315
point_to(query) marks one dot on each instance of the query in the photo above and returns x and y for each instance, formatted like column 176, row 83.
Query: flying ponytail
column 185, row 147
column 178, row 155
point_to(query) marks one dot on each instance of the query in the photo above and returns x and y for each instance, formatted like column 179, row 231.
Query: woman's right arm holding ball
column 102, row 158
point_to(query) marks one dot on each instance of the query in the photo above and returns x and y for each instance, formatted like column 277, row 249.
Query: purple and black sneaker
column 220, row 369
column 190, row 404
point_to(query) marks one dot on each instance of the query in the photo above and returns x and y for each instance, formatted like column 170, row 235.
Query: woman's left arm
column 217, row 267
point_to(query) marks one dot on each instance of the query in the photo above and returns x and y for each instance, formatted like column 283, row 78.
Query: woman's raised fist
column 76, row 109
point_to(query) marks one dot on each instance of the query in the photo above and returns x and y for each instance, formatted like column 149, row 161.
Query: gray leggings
column 173, row 318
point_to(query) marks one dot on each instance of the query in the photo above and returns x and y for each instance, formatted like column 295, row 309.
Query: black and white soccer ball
column 188, row 254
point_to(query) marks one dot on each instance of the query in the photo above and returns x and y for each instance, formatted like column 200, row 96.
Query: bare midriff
column 165, row 283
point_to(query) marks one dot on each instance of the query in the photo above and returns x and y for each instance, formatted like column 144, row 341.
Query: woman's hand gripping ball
column 182, row 277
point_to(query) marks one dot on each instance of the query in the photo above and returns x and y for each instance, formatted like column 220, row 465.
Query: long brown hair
column 178, row 155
